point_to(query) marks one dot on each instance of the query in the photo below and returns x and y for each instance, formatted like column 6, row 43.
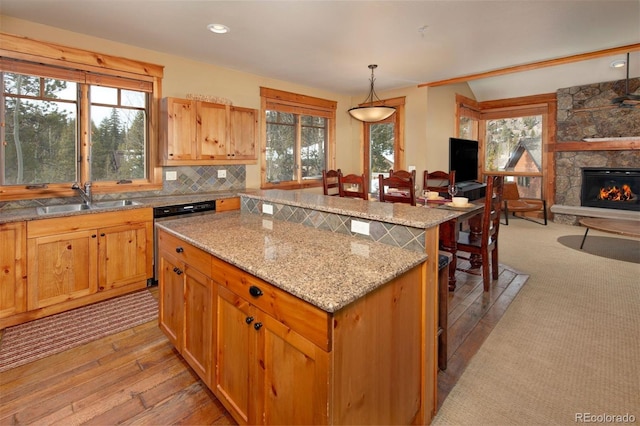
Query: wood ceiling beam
column 535, row 65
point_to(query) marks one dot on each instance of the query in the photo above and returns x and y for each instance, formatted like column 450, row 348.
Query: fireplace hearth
column 611, row 188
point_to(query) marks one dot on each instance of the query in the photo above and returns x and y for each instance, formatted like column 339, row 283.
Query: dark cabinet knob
column 255, row 291
column 94, row 236
column 249, row 320
column 257, row 325
column 179, row 249
column 102, row 235
column 177, row 270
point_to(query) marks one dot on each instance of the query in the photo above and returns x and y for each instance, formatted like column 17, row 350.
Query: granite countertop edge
column 31, row 213
column 326, row 269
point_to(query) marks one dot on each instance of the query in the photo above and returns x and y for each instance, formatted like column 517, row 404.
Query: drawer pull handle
column 255, row 291
column 249, row 320
column 257, row 325
column 179, row 249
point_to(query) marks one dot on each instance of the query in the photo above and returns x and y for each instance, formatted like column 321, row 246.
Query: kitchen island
column 292, row 323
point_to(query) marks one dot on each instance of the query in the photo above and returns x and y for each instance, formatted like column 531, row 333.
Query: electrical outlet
column 267, row 209
column 360, row 227
column 411, row 168
column 171, row 175
column 222, row 174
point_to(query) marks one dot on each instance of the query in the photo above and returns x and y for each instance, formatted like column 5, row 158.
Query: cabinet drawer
column 311, row 322
column 184, row 252
column 226, row 204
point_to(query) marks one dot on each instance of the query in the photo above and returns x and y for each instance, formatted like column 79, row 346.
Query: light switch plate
column 360, row 227
column 267, row 209
column 411, row 168
column 222, row 174
column 171, row 175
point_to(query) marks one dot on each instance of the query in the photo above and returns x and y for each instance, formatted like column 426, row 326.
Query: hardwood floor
column 136, row 377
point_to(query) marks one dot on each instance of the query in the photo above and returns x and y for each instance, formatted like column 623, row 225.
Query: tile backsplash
column 189, row 180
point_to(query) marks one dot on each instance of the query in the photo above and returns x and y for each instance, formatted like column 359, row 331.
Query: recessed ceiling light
column 618, row 63
column 218, row 28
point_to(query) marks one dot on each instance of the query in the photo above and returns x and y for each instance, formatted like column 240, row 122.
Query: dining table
column 449, row 231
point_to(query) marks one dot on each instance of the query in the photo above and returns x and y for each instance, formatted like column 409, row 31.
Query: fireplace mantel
column 606, row 145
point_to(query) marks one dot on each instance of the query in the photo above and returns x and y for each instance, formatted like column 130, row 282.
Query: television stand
column 471, row 189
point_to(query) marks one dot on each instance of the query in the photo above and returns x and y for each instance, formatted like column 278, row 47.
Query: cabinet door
column 180, row 116
column 243, row 131
column 13, row 268
column 212, row 131
column 234, row 350
column 124, row 255
column 292, row 377
column 61, row 267
column 171, row 285
column 198, row 335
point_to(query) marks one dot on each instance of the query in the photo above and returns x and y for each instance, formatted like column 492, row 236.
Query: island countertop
column 328, row 270
column 396, row 213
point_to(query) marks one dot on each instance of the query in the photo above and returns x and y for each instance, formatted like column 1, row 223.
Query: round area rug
column 610, row 247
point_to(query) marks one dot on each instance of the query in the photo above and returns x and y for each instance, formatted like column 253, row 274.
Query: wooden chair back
column 484, row 247
column 438, row 181
column 405, row 189
column 352, row 185
column 405, row 174
column 330, row 183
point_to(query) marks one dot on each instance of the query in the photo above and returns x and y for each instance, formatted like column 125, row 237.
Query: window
column 65, row 123
column 384, row 144
column 299, row 139
column 512, row 135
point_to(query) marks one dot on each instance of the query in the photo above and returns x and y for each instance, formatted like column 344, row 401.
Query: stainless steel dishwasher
column 171, row 212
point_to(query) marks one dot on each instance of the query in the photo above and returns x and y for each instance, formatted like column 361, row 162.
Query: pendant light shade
column 370, row 113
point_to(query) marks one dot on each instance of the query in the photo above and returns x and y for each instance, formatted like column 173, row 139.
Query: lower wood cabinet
column 13, row 268
column 272, row 358
column 266, row 373
column 187, row 302
column 77, row 260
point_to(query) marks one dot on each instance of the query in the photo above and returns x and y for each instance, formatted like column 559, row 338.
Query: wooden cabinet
column 227, row 204
column 277, row 359
column 266, row 372
column 187, row 302
column 197, row 132
column 13, row 268
column 81, row 259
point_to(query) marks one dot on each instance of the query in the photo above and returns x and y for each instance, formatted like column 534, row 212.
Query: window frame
column 278, row 100
column 544, row 104
column 398, row 119
column 18, row 54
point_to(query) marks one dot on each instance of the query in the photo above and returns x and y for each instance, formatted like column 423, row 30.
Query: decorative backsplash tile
column 396, row 235
column 190, row 180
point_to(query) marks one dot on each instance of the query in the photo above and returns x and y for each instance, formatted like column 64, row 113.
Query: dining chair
column 405, row 174
column 353, row 186
column 483, row 247
column 399, row 190
column 438, row 181
column 515, row 204
column 330, row 182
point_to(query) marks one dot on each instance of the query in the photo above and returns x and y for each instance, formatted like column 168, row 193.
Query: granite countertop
column 397, row 213
column 326, row 269
column 30, row 213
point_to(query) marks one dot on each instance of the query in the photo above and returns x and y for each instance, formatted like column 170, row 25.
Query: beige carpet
column 569, row 344
column 40, row 338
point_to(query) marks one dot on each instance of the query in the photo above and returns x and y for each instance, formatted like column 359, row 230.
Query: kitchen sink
column 63, row 208
column 68, row 208
column 114, row 203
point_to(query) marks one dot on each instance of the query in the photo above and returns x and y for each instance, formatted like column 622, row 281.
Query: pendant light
column 370, row 113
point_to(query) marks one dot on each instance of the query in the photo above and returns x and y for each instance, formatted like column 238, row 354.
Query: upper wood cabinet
column 197, row 132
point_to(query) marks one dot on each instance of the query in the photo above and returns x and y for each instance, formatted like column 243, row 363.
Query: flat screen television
column 463, row 158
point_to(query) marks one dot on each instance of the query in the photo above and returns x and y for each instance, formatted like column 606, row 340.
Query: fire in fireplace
column 610, row 188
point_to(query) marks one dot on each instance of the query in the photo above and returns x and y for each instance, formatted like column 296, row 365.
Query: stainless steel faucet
column 84, row 194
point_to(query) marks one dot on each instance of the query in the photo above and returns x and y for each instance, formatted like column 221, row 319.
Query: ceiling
column 329, row 44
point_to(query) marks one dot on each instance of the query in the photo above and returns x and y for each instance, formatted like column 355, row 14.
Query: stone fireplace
column 586, row 118
column 610, row 188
